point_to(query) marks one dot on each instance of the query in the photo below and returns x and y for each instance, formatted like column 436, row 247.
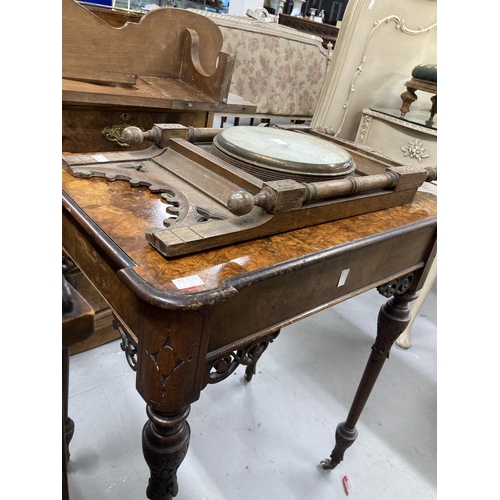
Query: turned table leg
column 165, row 441
column 393, row 317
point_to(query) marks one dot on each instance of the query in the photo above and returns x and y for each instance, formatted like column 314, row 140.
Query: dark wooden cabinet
column 327, row 32
column 333, row 9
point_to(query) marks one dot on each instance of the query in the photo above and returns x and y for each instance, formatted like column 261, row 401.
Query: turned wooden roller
column 287, row 195
column 161, row 134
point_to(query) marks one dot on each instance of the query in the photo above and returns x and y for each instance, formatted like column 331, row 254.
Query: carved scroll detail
column 127, row 345
column 396, row 286
column 367, row 120
column 400, row 25
column 219, row 369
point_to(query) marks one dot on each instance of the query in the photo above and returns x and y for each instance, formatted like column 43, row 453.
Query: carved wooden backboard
column 167, row 44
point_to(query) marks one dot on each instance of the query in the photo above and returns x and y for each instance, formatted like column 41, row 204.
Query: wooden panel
column 116, row 18
column 86, row 129
column 84, row 287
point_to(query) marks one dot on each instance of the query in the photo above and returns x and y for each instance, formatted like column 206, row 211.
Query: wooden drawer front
column 91, row 129
column 284, row 299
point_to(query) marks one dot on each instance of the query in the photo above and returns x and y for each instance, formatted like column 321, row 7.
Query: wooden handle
column 134, row 136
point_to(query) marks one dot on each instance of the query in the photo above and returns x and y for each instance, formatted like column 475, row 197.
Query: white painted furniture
column 378, row 46
column 407, row 140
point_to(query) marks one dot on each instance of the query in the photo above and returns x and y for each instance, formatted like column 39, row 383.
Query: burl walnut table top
column 125, row 213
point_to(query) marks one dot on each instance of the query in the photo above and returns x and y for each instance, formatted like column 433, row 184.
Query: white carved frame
column 350, row 26
column 399, row 25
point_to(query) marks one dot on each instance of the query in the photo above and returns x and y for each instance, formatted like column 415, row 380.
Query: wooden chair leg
column 67, row 423
column 77, row 325
column 434, row 108
column 65, row 489
column 408, row 98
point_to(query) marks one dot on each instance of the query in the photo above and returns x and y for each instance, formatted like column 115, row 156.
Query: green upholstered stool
column 424, row 78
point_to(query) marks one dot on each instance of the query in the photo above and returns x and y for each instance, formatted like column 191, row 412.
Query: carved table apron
column 179, row 337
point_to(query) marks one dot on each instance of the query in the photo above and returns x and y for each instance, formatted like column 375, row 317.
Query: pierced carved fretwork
column 219, row 369
column 396, row 286
column 127, row 345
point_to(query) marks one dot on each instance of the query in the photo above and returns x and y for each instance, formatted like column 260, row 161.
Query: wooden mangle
column 214, row 195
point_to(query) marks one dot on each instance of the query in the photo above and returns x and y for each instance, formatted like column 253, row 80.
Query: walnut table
column 180, row 336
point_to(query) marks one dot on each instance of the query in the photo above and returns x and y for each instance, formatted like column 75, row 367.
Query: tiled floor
column 264, row 440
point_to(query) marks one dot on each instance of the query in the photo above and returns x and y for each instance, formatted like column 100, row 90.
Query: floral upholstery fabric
column 277, row 68
column 280, row 76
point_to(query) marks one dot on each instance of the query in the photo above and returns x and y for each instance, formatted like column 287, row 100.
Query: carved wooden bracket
column 127, row 344
column 396, row 286
column 220, row 368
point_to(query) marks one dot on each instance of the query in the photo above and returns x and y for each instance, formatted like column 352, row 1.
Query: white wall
column 240, row 7
column 380, row 42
